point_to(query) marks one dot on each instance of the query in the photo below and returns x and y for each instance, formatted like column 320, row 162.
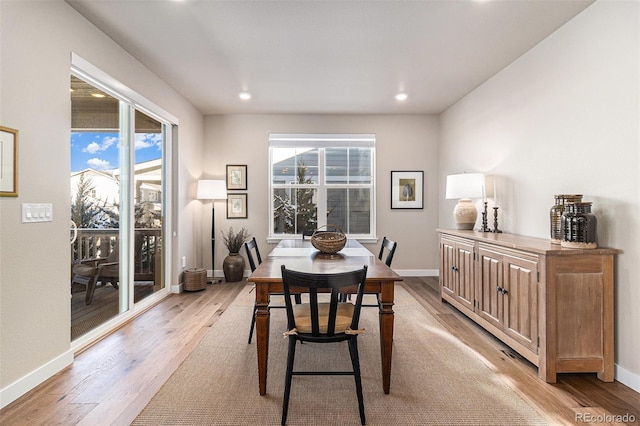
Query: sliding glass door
column 118, row 204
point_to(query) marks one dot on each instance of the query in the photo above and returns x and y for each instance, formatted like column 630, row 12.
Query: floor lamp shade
column 212, row 190
column 464, row 187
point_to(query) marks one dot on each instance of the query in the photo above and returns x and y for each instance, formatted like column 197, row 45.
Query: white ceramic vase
column 465, row 214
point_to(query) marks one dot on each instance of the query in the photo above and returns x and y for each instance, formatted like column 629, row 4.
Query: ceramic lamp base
column 465, row 214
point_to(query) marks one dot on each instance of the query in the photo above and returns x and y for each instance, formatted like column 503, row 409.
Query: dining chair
column 307, row 233
column 390, row 247
column 319, row 321
column 251, row 247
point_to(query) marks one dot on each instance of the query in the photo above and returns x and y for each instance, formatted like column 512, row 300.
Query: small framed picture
column 236, row 176
column 8, row 162
column 236, row 206
column 407, row 189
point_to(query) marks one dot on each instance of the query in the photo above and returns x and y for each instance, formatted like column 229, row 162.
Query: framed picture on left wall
column 236, row 206
column 8, row 162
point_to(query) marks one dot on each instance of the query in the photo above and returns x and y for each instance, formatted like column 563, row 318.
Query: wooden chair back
column 390, row 247
column 332, row 284
column 250, row 247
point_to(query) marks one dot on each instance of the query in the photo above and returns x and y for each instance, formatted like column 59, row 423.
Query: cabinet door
column 447, row 266
column 457, row 270
column 466, row 272
column 520, row 312
column 490, row 300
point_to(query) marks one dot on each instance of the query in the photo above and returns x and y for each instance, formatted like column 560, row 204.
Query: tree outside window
column 318, row 182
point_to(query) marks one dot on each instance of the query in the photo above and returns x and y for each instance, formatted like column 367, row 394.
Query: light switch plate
column 37, row 212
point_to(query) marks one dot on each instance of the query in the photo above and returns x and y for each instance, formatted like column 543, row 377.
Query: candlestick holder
column 485, row 227
column 495, row 221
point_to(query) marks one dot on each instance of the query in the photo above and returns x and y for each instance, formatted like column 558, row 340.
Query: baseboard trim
column 23, row 385
column 627, row 378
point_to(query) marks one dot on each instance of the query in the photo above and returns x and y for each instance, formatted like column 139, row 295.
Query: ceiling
column 325, row 57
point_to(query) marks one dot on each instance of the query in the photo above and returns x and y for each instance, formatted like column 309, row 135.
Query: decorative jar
column 233, row 267
column 579, row 226
column 465, row 214
column 556, row 211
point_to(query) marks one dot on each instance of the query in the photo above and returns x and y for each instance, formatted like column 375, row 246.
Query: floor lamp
column 212, row 190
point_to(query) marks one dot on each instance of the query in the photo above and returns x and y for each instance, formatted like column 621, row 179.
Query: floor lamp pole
column 213, row 242
column 209, row 189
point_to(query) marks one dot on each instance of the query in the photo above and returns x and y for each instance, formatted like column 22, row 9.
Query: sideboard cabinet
column 552, row 305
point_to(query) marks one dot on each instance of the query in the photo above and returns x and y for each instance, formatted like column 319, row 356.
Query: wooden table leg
column 262, row 333
column 386, row 317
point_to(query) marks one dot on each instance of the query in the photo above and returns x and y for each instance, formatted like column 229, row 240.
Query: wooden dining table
column 300, row 255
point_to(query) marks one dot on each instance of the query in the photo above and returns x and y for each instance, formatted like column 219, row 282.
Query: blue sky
column 100, row 151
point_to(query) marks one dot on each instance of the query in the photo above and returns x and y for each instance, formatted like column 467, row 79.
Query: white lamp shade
column 211, row 190
column 465, row 185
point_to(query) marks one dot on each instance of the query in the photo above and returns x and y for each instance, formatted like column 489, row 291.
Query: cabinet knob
column 499, row 289
column 504, row 291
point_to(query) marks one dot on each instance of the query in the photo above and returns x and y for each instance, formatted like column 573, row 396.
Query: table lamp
column 465, row 186
column 212, row 190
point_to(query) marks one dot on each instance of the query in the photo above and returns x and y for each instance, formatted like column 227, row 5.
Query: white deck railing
column 92, row 243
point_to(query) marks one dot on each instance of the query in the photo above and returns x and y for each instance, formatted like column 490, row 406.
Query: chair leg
column 355, row 361
column 253, row 322
column 287, row 381
column 91, row 288
column 297, row 298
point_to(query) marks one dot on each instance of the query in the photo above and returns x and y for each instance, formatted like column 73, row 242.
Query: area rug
column 435, row 379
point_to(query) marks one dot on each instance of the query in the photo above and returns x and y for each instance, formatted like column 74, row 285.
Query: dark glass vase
column 555, row 214
column 579, row 226
column 233, row 267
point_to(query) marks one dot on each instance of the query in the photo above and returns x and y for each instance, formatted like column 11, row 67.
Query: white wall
column 564, row 118
column 402, row 143
column 36, row 45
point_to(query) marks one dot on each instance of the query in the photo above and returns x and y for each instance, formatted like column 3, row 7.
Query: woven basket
column 194, row 279
column 329, row 242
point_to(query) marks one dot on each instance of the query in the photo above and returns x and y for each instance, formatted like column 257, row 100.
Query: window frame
column 322, row 142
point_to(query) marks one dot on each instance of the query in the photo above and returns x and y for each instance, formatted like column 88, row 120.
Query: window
column 322, row 179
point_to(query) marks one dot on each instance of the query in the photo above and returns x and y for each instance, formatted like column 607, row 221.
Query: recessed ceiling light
column 245, row 96
column 401, row 97
column 97, row 95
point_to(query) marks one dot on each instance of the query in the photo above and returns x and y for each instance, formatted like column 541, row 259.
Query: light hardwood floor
column 112, row 381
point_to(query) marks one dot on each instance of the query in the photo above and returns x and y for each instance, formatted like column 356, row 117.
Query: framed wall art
column 8, row 162
column 236, row 177
column 407, row 189
column 236, row 206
